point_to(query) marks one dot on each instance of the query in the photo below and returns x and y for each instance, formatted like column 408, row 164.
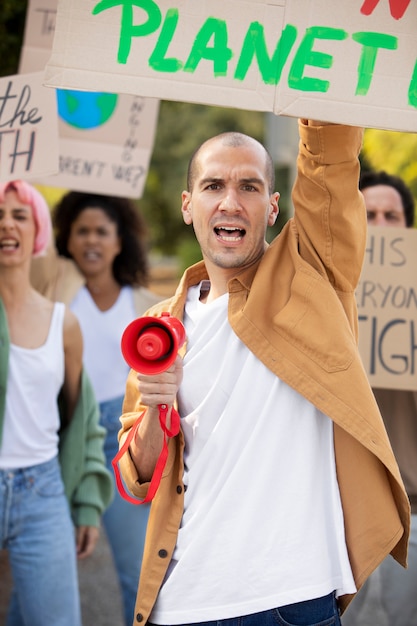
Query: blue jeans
column 318, row 612
column 37, row 531
column 125, row 523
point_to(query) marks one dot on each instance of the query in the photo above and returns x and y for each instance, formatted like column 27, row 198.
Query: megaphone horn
column 150, row 344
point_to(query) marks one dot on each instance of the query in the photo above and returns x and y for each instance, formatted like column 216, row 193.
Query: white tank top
column 35, row 377
column 263, row 522
column 102, row 333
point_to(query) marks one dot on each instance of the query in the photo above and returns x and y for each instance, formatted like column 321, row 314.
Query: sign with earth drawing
column 346, row 61
column 105, row 142
column 105, row 138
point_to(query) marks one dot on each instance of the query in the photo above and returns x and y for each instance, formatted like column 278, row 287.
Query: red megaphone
column 150, row 344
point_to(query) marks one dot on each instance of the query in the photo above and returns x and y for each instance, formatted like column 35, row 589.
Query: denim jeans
column 37, row 531
column 318, row 612
column 125, row 523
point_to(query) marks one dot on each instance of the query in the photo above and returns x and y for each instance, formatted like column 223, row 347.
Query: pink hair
column 31, row 196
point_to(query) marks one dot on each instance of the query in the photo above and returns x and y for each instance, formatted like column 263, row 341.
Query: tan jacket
column 297, row 312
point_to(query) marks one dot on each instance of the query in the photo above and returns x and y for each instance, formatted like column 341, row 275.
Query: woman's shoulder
column 144, row 299
column 56, row 277
column 40, row 304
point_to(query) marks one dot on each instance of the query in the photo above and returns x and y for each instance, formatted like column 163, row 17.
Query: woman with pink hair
column 41, row 357
column 29, row 195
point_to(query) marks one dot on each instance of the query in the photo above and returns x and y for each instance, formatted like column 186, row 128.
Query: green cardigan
column 88, row 483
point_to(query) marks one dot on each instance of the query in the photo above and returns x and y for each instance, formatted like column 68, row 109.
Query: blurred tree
column 394, row 152
column 12, row 24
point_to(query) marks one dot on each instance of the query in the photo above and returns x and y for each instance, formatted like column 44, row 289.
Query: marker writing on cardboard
column 397, row 7
column 395, row 332
column 85, row 169
column 134, row 122
column 384, row 251
column 211, row 44
column 131, row 174
column 377, row 295
column 387, row 307
column 15, row 113
column 48, row 20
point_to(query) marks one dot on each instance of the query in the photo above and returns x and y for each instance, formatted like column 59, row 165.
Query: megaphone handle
column 175, row 420
column 162, row 459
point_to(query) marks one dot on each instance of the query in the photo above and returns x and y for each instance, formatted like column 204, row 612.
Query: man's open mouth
column 230, row 233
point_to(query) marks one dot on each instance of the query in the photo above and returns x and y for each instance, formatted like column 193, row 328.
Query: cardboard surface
column 348, row 61
column 387, row 308
column 105, row 139
column 113, row 157
column 28, row 128
column 353, row 67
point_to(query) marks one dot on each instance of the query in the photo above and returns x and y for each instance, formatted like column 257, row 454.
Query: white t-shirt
column 102, row 333
column 263, row 523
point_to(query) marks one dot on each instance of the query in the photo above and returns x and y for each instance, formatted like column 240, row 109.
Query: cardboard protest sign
column 349, row 61
column 387, row 308
column 38, row 36
column 105, row 139
column 105, row 143
column 359, row 53
column 28, row 128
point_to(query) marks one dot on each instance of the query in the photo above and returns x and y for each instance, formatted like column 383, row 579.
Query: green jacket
column 88, row 483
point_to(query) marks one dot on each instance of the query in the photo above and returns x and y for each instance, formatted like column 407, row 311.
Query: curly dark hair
column 370, row 178
column 130, row 267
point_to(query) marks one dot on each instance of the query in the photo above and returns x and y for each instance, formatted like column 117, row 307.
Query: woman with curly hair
column 102, row 273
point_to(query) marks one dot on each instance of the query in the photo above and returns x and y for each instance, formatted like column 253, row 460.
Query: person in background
column 52, row 467
column 280, row 490
column 389, row 597
column 101, row 273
